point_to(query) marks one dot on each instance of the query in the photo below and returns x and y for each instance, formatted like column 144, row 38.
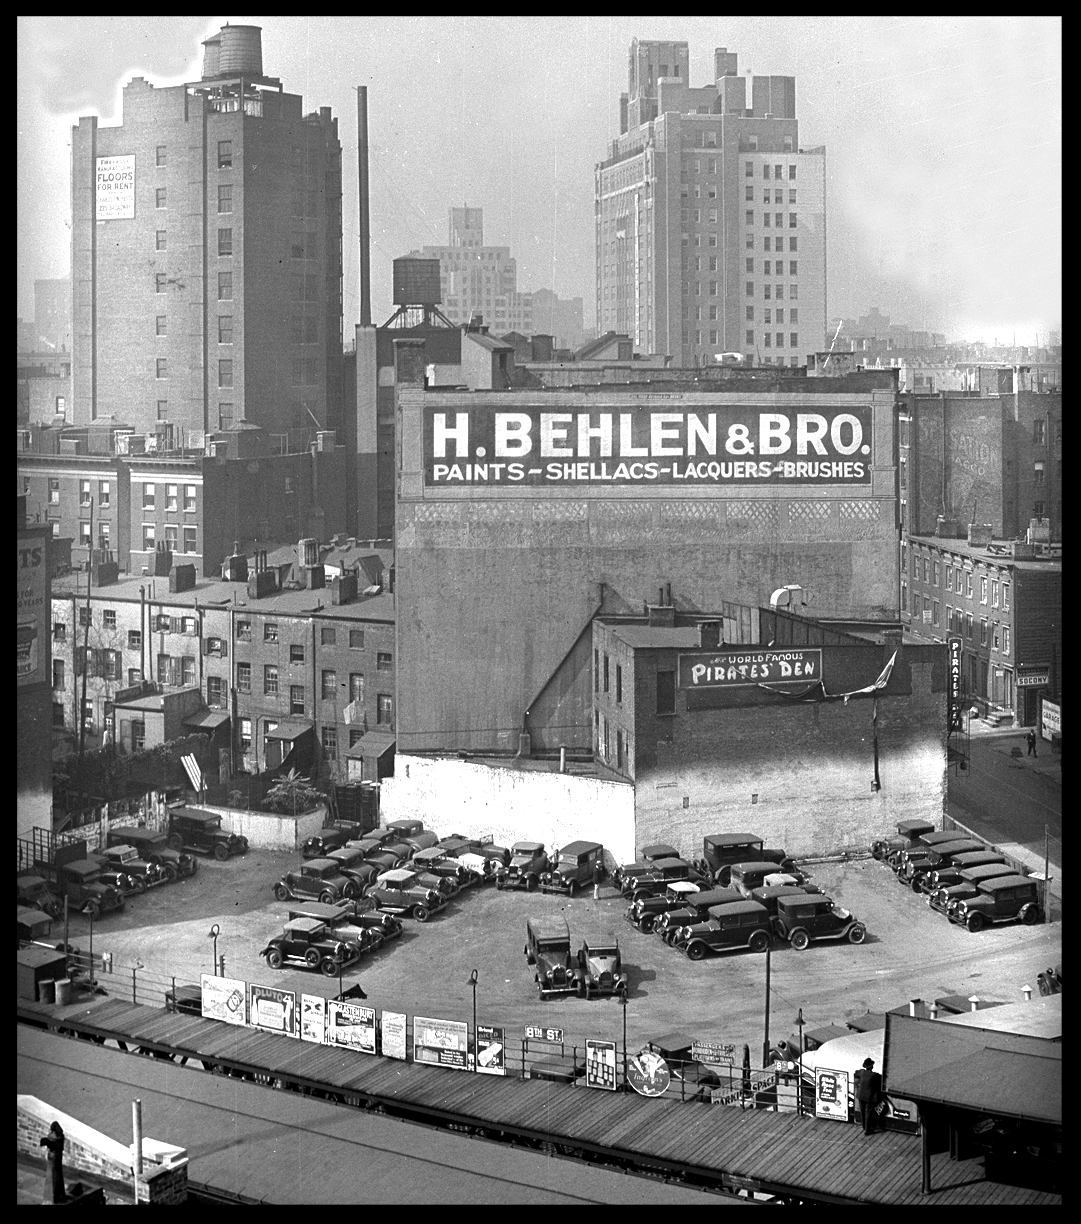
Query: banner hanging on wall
column 731, row 444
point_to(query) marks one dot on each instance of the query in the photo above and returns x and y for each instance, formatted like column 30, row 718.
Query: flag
column 191, row 768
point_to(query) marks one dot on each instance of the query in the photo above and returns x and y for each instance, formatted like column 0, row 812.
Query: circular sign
column 648, row 1074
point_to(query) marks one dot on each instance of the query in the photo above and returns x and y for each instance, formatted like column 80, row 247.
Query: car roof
column 659, row 850
column 776, row 890
column 962, row 845
column 308, row 925
column 31, row 916
column 733, row 839
column 1008, row 881
column 915, row 827
column 759, row 865
column 600, row 937
column 549, row 927
column 429, row 853
column 526, row 847
column 717, row 896
column 416, row 825
column 397, row 875
column 137, row 831
column 736, row 907
column 345, row 854
column 969, row 858
column 938, row 837
column 121, row 847
column 201, row 817
column 82, row 867
column 316, row 865
column 671, row 1043
column 825, row 1033
column 30, row 881
column 988, row 871
column 669, row 862
column 818, row 899
column 684, row 886
column 579, row 847
column 316, row 909
column 454, row 842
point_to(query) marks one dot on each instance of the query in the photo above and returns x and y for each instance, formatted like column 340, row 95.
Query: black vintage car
column 307, row 943
column 740, row 924
column 695, row 908
column 548, row 950
column 907, row 833
column 721, row 850
column 572, row 868
column 661, row 873
column 318, row 880
column 1005, row 899
column 153, row 846
column 340, row 924
column 528, row 862
column 644, row 912
column 600, row 966
column 128, row 860
column 646, row 856
column 803, row 920
column 401, row 891
column 34, row 893
column 201, row 831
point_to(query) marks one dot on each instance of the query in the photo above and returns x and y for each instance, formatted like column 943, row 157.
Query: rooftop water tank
column 241, row 51
column 211, row 57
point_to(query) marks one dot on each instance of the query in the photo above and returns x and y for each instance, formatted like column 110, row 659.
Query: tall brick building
column 206, row 255
column 711, row 220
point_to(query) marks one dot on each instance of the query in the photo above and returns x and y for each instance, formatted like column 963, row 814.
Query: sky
column 942, row 134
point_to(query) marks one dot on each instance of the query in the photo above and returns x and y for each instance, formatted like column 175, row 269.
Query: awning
column 289, row 729
column 207, row 719
column 372, row 745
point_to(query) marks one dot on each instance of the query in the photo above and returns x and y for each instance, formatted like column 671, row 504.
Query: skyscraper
column 711, row 220
column 206, row 255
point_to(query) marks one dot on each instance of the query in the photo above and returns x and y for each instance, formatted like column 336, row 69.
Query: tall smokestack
column 365, row 226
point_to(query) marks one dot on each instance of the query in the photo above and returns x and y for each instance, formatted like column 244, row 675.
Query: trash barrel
column 63, row 991
column 47, row 992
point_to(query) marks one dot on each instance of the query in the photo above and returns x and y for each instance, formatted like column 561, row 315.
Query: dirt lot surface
column 910, row 952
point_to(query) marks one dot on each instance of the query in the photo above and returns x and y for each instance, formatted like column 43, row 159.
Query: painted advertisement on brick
column 733, row 668
column 114, row 188
column 726, row 445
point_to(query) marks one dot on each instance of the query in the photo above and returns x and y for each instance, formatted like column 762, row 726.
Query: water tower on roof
column 417, row 294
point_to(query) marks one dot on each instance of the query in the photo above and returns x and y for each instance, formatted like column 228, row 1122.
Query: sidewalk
column 1006, row 739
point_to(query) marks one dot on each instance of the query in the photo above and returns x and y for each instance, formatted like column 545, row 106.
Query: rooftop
column 998, row 551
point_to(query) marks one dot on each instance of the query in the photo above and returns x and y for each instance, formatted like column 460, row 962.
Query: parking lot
column 910, row 952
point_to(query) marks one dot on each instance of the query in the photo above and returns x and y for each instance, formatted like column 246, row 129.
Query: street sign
column 713, row 1052
column 537, row 1032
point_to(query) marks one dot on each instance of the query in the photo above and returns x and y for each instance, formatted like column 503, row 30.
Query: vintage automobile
column 186, row 999
column 437, row 863
column 401, row 892
column 366, row 845
column 789, row 1050
column 695, row 1079
column 907, row 833
column 745, row 877
column 34, row 893
column 1049, row 980
column 920, row 848
column 306, row 942
column 572, row 868
column 482, row 868
column 405, row 828
column 341, row 924
column 600, row 967
column 946, row 877
column 383, row 860
column 695, row 908
column 327, row 839
column 768, row 894
column 721, row 850
column 363, row 913
column 81, row 882
column 661, row 873
column 153, row 846
column 548, row 950
column 400, row 850
column 801, row 920
column 195, row 830
column 646, row 856
column 126, row 859
column 739, row 924
column 354, row 866
column 644, row 912
column 528, row 862
column 319, row 879
column 942, row 855
column 421, row 841
column 1009, row 898
column 114, row 877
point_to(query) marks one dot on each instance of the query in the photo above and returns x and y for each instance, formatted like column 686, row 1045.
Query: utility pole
column 86, row 644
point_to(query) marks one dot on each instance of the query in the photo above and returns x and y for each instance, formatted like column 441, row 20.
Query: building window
column 750, row 265
column 84, row 534
column 84, row 492
column 1038, row 509
column 243, row 677
column 225, row 242
column 384, row 709
column 983, row 590
column 748, row 170
column 86, row 616
column 159, row 155
column 244, row 735
column 160, row 282
column 330, row 743
column 187, row 671
column 793, row 339
column 296, row 699
column 189, row 497
column 225, row 416
column 163, row 410
column 327, row 637
column 243, row 631
column 108, row 618
column 792, row 244
column 666, row 691
column 328, row 688
column 270, row 631
column 172, row 494
column 791, row 220
column 934, row 573
column 148, row 537
column 225, row 286
column 296, row 653
column 791, row 172
column 356, row 687
column 949, row 572
column 160, row 325
column 190, row 540
column 384, row 661
column 994, row 594
column 968, row 584
column 225, row 154
column 983, row 631
column 225, row 373
column 765, row 220
column 355, row 737
column 1037, row 473
column 780, row 339
column 225, row 197
column 750, row 288
column 767, row 292
column 750, row 314
column 159, row 197
column 767, row 340
column 356, row 639
column 1039, row 433
column 135, row 639
column 619, row 684
column 1005, row 639
column 750, row 216
column 270, row 680
column 968, row 625
column 225, row 329
column 995, row 639
column 1005, row 597
column 159, row 240
column 54, row 491
column 904, row 596
column 58, row 673
column 750, row 195
column 161, row 367
column 215, row 692
column 171, row 537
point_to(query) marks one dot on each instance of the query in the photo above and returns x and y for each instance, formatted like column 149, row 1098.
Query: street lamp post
column 765, row 1039
column 799, row 1065
column 476, row 1050
column 623, row 1000
column 213, row 934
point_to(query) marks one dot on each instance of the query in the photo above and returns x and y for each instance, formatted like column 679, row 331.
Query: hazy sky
column 943, row 140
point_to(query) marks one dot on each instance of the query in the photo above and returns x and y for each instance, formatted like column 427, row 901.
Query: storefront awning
column 372, row 745
column 289, row 729
column 207, row 720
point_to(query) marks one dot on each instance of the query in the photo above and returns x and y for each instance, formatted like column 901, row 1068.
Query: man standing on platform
column 868, row 1084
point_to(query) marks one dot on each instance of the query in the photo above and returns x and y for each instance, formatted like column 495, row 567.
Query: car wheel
column 329, row 967
column 171, row 872
column 914, row 884
column 758, row 942
column 175, row 841
column 646, row 925
column 499, row 883
column 976, row 923
column 139, row 884
column 1031, row 916
column 696, row 951
column 281, row 892
column 572, row 888
column 532, row 884
column 723, row 877
column 221, row 852
column 351, row 891
column 327, row 897
column 540, row 991
column 857, row 934
column 194, row 867
column 878, row 853
column 800, row 940
column 581, row 988
column 589, row 991
column 421, row 913
column 274, row 958
column 312, row 958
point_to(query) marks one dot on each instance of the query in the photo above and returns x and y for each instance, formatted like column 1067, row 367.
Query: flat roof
column 988, row 553
column 1040, row 1017
column 642, row 637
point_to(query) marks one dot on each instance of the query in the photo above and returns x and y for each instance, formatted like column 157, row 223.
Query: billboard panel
column 114, row 188
column 392, row 1030
column 441, row 1043
column 351, row 1025
column 272, row 1009
column 31, row 610
column 727, row 445
column 313, row 1018
column 224, row 998
column 601, row 1065
column 491, row 1050
column 831, row 1094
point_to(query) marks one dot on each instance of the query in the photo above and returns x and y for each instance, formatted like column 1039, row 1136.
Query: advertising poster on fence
column 313, row 1018
column 721, row 1052
column 648, row 1074
column 223, row 999
column 393, row 1031
column 441, row 1043
column 831, row 1094
column 272, row 1009
column 350, row 1024
column 491, row 1050
column 601, row 1065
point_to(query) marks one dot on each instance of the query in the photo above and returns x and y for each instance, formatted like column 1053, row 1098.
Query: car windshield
column 602, row 952
column 552, row 945
column 568, row 860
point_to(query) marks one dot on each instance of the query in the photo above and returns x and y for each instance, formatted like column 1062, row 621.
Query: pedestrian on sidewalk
column 598, row 875
column 1031, row 740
